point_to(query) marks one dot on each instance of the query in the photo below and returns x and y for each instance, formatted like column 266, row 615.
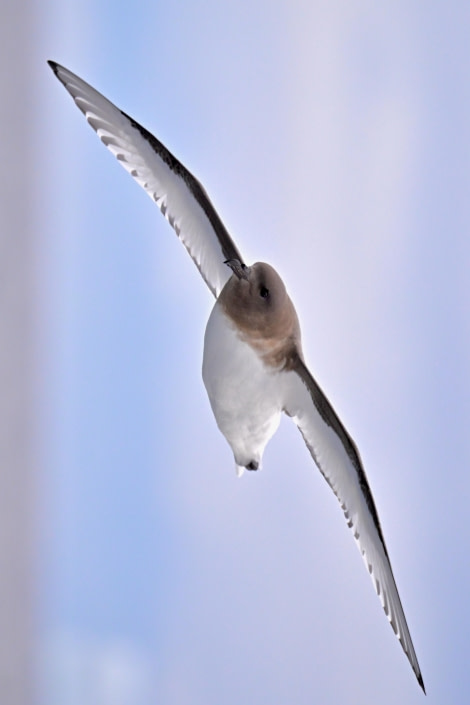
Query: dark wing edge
column 229, row 249
column 180, row 196
column 338, row 460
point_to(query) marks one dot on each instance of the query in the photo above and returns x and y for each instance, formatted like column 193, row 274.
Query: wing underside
column 337, row 457
column 179, row 195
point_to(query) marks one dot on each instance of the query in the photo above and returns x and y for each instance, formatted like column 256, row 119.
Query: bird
column 253, row 365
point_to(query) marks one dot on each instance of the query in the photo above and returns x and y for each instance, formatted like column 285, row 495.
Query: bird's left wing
column 338, row 459
column 179, row 195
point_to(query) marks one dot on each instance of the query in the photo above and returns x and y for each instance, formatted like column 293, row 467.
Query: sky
column 333, row 138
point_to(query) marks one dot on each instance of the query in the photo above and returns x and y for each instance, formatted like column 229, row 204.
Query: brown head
column 256, row 300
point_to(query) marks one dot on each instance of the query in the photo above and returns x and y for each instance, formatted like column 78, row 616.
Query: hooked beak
column 238, row 268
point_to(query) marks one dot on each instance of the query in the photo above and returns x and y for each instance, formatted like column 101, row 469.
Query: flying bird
column 253, row 365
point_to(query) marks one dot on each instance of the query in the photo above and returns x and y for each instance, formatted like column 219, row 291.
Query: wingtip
column 57, row 69
column 421, row 682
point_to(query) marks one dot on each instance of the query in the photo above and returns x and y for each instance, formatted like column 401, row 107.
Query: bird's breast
column 245, row 393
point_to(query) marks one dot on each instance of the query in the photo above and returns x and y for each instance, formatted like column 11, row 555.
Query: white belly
column 245, row 395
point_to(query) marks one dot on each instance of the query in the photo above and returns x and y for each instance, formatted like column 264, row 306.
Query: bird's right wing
column 179, row 195
column 337, row 457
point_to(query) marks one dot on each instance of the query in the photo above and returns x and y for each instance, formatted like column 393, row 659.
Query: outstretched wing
column 180, row 196
column 337, row 457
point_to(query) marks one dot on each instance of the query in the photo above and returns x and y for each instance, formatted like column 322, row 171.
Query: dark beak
column 238, row 268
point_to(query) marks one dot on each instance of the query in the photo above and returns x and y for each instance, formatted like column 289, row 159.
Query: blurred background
column 334, row 140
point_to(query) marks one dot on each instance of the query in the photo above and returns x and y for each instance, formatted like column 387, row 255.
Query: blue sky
column 333, row 139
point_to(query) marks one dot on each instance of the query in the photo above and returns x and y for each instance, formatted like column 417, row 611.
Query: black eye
column 263, row 292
